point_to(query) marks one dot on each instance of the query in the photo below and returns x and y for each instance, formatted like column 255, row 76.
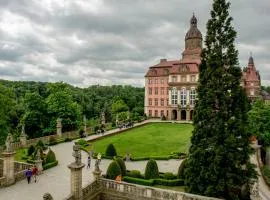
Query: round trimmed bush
column 169, row 176
column 181, row 173
column 31, row 150
column 122, row 165
column 41, row 144
column 82, row 142
column 113, row 170
column 151, row 170
column 135, row 174
column 50, row 157
column 110, row 151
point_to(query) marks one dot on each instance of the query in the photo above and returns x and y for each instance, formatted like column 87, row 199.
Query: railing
column 137, row 191
column 91, row 190
column 20, row 166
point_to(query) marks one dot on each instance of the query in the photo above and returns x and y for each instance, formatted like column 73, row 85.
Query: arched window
column 174, row 96
column 192, row 96
column 183, row 97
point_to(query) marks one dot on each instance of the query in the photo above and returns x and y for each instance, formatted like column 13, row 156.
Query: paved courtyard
column 57, row 179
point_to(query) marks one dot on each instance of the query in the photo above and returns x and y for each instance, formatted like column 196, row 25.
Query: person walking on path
column 89, row 162
column 28, row 175
column 35, row 172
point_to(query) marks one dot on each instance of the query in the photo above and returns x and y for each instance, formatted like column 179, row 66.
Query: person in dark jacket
column 28, row 175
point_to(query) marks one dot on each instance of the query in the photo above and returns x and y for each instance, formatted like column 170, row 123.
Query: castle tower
column 193, row 41
column 251, row 80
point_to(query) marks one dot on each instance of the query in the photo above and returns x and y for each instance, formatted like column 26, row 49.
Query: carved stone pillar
column 59, row 127
column 76, row 174
column 38, row 162
column 23, row 137
column 8, row 157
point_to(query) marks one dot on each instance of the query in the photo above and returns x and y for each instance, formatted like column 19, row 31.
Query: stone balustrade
column 20, row 166
column 1, row 167
column 142, row 192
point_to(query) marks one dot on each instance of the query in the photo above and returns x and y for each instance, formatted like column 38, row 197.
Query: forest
column 37, row 105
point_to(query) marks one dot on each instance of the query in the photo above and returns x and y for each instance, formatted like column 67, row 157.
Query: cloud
column 113, row 41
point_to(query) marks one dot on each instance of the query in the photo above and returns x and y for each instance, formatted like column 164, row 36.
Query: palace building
column 170, row 86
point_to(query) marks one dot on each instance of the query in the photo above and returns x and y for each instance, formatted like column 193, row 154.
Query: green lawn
column 155, row 139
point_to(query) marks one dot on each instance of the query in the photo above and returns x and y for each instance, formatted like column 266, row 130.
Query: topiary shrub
column 181, row 174
column 50, row 158
column 151, row 170
column 110, row 151
column 41, row 144
column 135, row 174
column 169, row 176
column 122, row 165
column 113, row 170
column 31, row 150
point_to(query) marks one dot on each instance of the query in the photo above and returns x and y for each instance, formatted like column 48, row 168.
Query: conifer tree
column 218, row 164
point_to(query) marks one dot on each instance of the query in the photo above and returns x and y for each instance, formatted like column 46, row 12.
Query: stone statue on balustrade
column 8, row 143
column 47, row 196
column 77, row 154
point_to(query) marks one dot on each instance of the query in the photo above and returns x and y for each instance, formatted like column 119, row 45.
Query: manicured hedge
column 31, row 150
column 151, row 182
column 175, row 182
column 138, row 181
column 151, row 170
column 113, row 170
column 50, row 158
column 122, row 165
column 181, row 173
column 169, row 176
column 110, row 151
column 50, row 165
column 135, row 174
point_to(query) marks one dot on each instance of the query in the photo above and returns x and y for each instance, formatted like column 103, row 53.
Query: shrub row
column 138, row 181
column 151, row 182
column 50, row 165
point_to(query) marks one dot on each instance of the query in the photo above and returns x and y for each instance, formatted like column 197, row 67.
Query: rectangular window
column 193, row 78
column 162, row 90
column 156, row 102
column 167, row 113
column 150, row 102
column 156, row 90
column 167, row 91
column 167, row 102
column 174, row 96
column 162, row 81
column 192, row 97
column 156, row 81
column 183, row 97
column 150, row 113
column 149, row 81
column 174, row 79
column 150, row 91
column 162, row 102
column 156, row 113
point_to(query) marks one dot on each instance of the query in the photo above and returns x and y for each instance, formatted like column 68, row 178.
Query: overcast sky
column 85, row 42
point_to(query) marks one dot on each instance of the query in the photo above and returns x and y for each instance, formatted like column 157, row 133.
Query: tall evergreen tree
column 218, row 163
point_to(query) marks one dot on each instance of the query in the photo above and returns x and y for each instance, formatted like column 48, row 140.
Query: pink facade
column 251, row 80
column 170, row 86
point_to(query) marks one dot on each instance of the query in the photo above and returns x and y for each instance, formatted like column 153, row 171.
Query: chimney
column 162, row 60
